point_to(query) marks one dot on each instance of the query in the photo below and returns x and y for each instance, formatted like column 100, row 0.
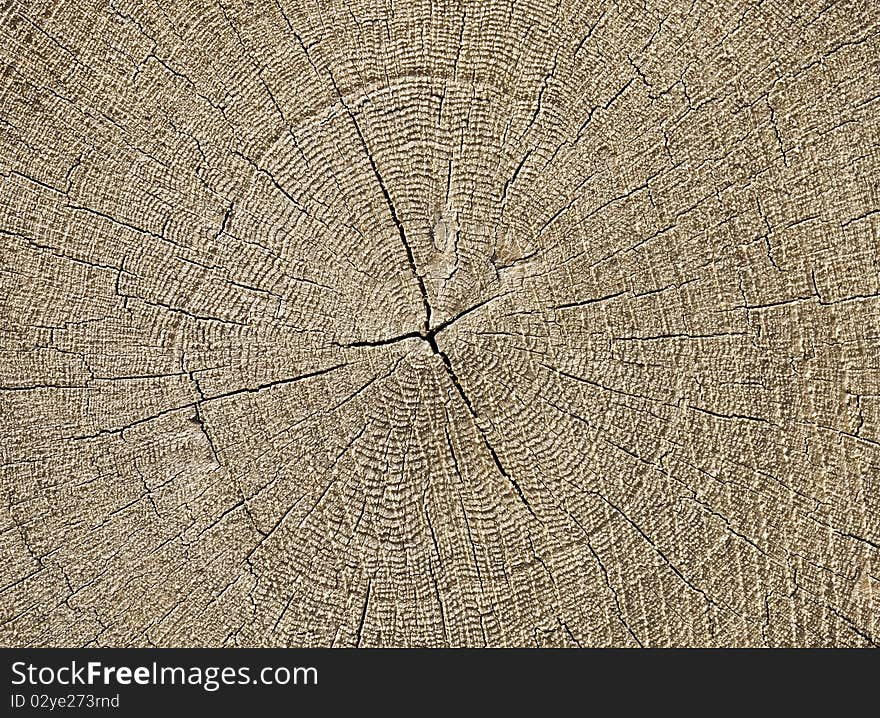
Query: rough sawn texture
column 374, row 323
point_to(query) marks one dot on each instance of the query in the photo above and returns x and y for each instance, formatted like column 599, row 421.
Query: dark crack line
column 388, row 201
column 273, row 384
column 380, row 342
column 429, row 335
column 425, row 334
column 592, row 300
column 450, row 371
column 360, row 629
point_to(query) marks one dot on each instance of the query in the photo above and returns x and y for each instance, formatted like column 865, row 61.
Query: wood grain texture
column 428, row 323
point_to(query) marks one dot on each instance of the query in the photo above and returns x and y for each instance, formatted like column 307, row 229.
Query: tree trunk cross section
column 440, row 323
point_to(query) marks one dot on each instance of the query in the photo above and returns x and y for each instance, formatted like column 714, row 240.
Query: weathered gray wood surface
column 429, row 323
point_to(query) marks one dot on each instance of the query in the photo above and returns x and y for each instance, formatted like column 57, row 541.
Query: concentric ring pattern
column 429, row 323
